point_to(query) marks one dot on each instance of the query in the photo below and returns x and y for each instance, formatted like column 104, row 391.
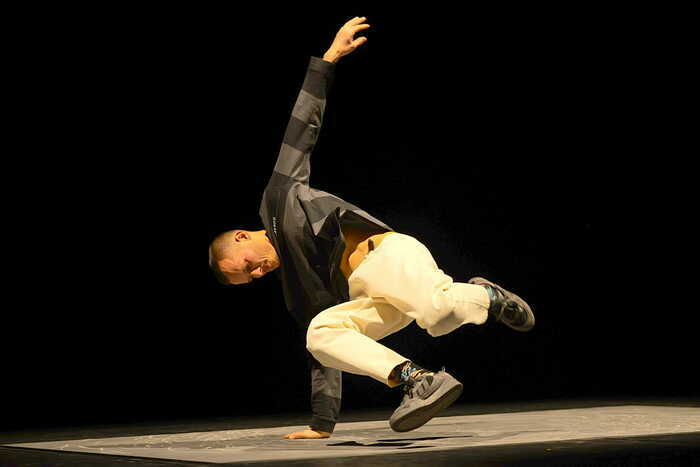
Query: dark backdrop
column 519, row 145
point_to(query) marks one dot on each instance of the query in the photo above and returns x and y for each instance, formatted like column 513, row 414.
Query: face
column 248, row 262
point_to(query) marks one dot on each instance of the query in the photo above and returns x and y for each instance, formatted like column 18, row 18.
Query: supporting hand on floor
column 308, row 434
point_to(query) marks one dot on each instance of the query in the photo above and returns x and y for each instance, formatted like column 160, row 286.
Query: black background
column 531, row 147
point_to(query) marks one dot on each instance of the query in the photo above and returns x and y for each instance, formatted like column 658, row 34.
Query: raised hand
column 345, row 41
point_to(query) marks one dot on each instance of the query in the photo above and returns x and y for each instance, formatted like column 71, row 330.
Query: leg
column 403, row 273
column 395, row 284
column 344, row 337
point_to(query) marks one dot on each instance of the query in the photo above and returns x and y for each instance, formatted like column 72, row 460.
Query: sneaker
column 424, row 397
column 507, row 307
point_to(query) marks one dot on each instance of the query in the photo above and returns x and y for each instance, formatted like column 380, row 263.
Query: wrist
column 332, row 56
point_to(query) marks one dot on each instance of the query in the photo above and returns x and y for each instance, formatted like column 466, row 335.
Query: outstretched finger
column 356, row 20
column 359, row 27
column 358, row 42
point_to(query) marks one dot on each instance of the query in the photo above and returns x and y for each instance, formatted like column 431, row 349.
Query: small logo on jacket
column 274, row 224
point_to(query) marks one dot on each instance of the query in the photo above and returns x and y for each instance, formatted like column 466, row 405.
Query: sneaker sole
column 441, row 399
column 530, row 323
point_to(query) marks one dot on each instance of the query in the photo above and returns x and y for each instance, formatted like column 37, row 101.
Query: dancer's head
column 239, row 256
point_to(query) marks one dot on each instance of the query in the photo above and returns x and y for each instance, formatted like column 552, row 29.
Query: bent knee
column 437, row 331
column 313, row 336
column 443, row 324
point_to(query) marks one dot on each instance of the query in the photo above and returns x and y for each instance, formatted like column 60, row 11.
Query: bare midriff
column 357, row 247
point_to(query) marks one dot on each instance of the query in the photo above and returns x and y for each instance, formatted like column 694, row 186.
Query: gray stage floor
column 360, row 439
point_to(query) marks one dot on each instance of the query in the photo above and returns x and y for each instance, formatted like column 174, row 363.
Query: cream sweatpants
column 396, row 283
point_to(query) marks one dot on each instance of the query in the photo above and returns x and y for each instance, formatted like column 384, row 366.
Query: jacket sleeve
column 304, row 125
column 326, row 392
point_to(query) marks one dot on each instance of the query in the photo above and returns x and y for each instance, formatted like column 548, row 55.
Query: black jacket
column 304, row 225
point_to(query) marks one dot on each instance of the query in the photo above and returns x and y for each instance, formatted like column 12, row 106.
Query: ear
column 242, row 236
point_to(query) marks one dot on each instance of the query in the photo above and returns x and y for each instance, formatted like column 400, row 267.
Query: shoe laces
column 407, row 389
column 413, row 383
column 410, row 385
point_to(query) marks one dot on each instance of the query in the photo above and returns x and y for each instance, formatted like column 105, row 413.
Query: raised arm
column 304, row 125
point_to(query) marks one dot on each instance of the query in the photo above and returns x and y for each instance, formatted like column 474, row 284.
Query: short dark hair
column 217, row 250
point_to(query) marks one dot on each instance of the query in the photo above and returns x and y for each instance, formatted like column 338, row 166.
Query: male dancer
column 348, row 278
